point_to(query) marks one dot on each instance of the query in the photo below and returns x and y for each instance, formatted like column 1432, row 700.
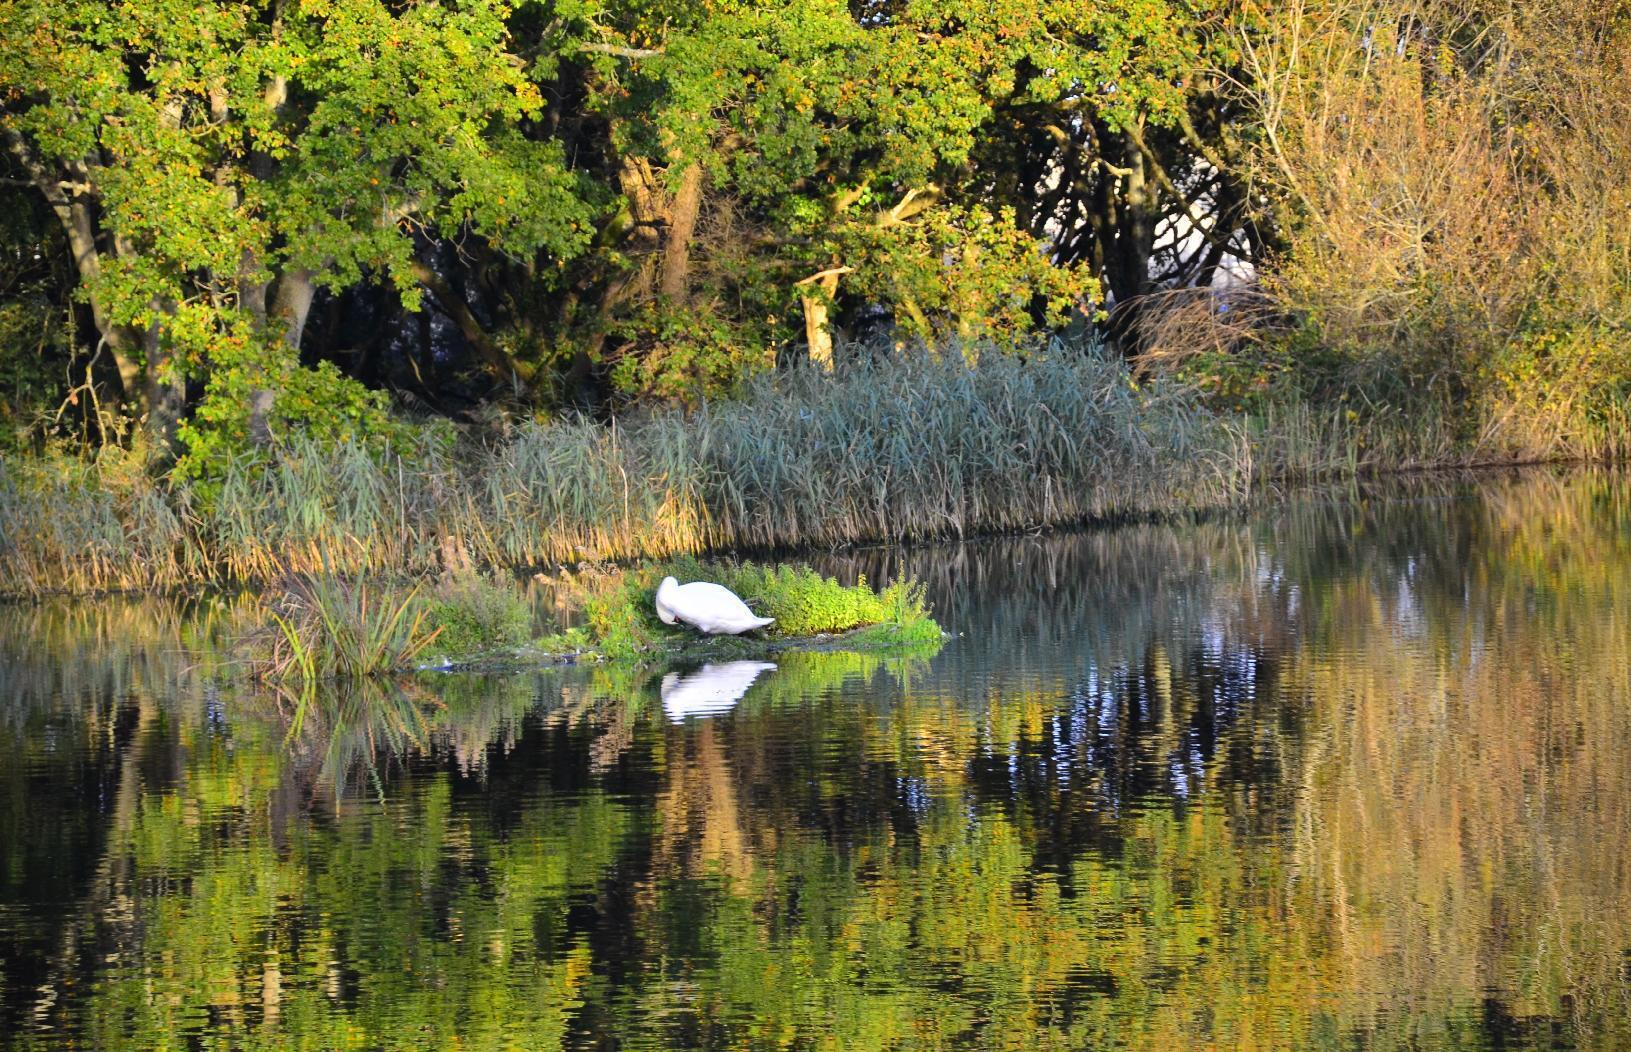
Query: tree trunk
column 252, row 294
column 682, row 225
column 252, row 298
column 817, row 334
column 292, row 304
column 1127, row 268
column 79, row 227
column 290, row 307
column 166, row 397
column 641, row 243
column 648, row 214
column 817, row 331
column 118, row 340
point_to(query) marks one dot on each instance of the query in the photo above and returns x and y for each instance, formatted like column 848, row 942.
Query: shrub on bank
column 476, row 612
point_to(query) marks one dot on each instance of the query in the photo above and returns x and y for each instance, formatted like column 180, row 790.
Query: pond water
column 1351, row 773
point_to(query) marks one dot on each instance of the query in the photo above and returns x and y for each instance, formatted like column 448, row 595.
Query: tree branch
column 620, row 51
column 1194, row 139
column 920, row 198
column 1137, row 135
column 821, row 276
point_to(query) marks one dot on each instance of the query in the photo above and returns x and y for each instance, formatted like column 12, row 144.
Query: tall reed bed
column 897, row 448
column 1295, row 441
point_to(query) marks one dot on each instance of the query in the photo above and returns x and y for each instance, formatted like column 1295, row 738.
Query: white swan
column 712, row 608
column 710, row 690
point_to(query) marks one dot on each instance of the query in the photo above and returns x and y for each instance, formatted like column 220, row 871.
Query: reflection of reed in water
column 1467, row 806
column 353, row 734
column 89, row 655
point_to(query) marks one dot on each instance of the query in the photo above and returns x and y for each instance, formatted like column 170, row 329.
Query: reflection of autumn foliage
column 1350, row 772
column 1466, row 803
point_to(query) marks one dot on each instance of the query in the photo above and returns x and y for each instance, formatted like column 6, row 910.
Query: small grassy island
column 323, row 626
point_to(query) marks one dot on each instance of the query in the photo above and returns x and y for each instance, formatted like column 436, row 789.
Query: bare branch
column 1137, row 135
column 824, row 275
column 620, row 51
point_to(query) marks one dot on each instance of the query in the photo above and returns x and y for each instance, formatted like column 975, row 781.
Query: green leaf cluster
column 663, row 198
column 219, row 161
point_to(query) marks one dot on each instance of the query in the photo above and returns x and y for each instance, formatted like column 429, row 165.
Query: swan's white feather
column 708, row 607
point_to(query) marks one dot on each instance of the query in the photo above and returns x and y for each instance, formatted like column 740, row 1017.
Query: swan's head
column 665, row 589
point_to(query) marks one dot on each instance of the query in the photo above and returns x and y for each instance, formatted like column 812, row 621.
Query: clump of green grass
column 323, row 626
column 620, row 619
column 475, row 612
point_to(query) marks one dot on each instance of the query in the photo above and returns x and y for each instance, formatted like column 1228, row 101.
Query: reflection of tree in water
column 1467, row 801
column 700, row 828
column 1331, row 773
column 1118, row 667
column 83, row 736
column 1160, row 733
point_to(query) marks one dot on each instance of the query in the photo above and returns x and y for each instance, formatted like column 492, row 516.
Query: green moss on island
column 620, row 620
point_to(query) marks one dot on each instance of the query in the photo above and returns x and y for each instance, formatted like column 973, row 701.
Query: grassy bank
column 322, row 627
column 898, row 449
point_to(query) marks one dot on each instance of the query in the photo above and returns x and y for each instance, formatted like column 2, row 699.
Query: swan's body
column 711, row 608
column 710, row 690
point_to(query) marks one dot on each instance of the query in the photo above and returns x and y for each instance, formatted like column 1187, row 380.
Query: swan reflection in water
column 710, row 690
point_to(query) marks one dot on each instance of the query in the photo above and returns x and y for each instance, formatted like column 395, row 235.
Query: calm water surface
column 1351, row 774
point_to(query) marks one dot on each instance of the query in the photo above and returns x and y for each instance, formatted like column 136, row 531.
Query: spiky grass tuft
column 324, row 627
